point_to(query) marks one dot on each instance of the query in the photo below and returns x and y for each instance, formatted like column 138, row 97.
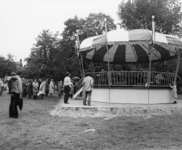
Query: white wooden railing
column 131, row 78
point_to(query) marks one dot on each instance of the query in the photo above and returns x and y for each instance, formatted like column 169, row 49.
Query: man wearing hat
column 16, row 94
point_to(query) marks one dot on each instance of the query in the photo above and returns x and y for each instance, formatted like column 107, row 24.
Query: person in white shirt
column 67, row 83
column 88, row 86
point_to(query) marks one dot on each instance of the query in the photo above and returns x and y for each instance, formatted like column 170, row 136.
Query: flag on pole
column 77, row 44
column 153, row 30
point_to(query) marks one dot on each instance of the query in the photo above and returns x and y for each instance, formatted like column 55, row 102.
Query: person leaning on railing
column 158, row 78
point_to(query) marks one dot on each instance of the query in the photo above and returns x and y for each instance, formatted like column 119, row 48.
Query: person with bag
column 16, row 95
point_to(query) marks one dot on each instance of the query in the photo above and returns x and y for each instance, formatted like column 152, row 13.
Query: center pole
column 150, row 48
column 108, row 64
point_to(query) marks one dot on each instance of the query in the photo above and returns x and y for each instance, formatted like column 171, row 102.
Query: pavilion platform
column 78, row 103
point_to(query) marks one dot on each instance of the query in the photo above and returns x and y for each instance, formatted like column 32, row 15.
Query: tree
column 52, row 57
column 7, row 65
column 44, row 57
column 91, row 26
column 137, row 15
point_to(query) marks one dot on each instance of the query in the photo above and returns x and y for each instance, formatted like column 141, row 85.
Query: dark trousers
column 1, row 90
column 87, row 95
column 13, row 111
column 41, row 96
column 66, row 93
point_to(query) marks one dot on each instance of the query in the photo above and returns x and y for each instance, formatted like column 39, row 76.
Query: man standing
column 88, row 86
column 16, row 94
column 67, row 83
column 1, row 87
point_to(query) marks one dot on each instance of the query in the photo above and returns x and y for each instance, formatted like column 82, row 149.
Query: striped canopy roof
column 130, row 47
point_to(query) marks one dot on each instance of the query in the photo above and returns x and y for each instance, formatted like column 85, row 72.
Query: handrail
column 132, row 78
column 79, row 85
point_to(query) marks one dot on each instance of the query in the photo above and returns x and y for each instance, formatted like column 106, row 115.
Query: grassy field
column 36, row 129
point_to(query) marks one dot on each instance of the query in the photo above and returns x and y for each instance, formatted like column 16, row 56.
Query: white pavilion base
column 131, row 95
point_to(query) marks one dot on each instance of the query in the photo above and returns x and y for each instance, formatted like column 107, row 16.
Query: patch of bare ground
column 41, row 126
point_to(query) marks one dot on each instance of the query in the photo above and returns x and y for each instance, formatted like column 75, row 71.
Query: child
column 174, row 92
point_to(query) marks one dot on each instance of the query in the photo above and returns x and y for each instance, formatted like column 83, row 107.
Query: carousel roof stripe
column 112, row 52
column 131, row 46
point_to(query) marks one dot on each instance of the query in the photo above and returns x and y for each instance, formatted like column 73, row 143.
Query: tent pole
column 150, row 48
column 108, row 64
column 83, row 72
column 177, row 68
column 93, row 67
column 80, row 66
column 81, row 59
column 79, row 54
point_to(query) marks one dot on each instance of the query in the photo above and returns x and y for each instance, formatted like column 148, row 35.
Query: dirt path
column 36, row 129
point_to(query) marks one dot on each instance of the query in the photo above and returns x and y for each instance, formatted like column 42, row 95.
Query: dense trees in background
column 52, row 56
column 138, row 14
column 45, row 59
column 7, row 65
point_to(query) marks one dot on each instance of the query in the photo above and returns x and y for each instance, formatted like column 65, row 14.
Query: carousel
column 134, row 46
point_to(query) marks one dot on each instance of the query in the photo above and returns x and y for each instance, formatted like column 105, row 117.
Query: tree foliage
column 44, row 57
column 137, row 15
column 7, row 65
column 52, row 57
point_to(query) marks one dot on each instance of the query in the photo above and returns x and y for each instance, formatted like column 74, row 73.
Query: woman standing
column 51, row 87
column 35, row 88
column 30, row 88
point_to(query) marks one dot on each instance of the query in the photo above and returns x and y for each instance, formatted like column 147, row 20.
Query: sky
column 21, row 21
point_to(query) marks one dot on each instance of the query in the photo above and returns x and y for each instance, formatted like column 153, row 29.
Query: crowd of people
column 31, row 88
column 37, row 88
column 20, row 88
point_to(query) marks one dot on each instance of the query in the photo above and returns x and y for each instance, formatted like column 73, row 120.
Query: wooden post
column 80, row 59
column 177, row 68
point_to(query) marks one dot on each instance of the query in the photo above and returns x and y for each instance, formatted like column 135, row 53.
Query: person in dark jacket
column 16, row 95
column 24, row 84
column 30, row 89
